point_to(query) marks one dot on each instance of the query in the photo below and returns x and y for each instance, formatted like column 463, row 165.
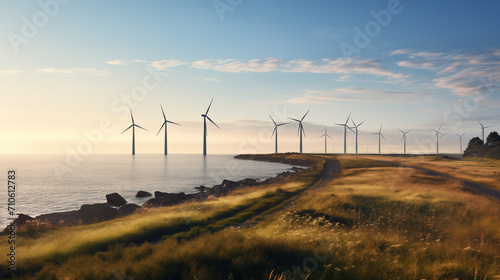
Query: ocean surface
column 46, row 184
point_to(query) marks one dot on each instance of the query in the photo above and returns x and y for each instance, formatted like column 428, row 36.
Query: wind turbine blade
column 349, row 128
column 305, row 115
column 401, row 130
column 165, row 118
column 294, row 119
column 382, row 136
column 140, row 127
column 464, row 133
column 353, row 123
column 303, row 130
column 160, row 128
column 172, row 122
column 275, row 128
column 380, row 131
column 409, row 131
column 127, row 129
column 329, row 136
column 488, row 126
column 361, row 123
column 480, row 124
column 209, row 106
column 402, row 138
column 272, row 119
column 440, row 127
column 132, row 116
column 298, row 130
column 340, row 124
column 212, row 122
column 348, row 119
column 281, row 124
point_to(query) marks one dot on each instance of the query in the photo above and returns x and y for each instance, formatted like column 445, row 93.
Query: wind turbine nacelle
column 203, row 115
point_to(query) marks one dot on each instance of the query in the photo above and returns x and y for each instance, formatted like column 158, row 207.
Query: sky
column 70, row 71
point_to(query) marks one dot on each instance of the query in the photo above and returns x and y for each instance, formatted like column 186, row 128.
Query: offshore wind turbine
column 276, row 131
column 356, row 127
column 165, row 122
column 437, row 138
column 326, row 136
column 301, row 129
column 461, row 135
column 133, row 125
column 345, row 132
column 205, row 117
column 482, row 128
column 379, row 133
column 404, row 138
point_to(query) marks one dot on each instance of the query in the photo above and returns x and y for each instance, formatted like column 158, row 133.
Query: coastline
column 116, row 206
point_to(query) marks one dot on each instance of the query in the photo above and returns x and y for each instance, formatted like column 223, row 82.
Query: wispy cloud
column 464, row 74
column 340, row 66
column 359, row 94
column 9, row 72
column 165, row 64
column 125, row 61
column 82, row 71
column 399, row 52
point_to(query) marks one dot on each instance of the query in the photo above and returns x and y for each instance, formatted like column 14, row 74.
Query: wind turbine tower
column 205, row 117
column 482, row 128
column 345, row 132
column 326, row 136
column 301, row 129
column 404, row 138
column 165, row 122
column 356, row 127
column 379, row 133
column 276, row 136
column 133, row 125
column 437, row 138
column 461, row 135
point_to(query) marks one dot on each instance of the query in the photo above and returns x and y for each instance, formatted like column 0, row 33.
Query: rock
column 91, row 213
column 115, row 199
column 128, row 209
column 248, row 182
column 143, row 194
column 200, row 188
column 22, row 219
column 166, row 199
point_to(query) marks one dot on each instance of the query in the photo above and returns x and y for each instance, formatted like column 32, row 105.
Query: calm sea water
column 41, row 190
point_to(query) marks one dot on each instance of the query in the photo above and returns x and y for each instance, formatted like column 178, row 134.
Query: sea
column 54, row 183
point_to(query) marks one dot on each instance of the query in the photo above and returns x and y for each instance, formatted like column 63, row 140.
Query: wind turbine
column 356, row 127
column 325, row 135
column 437, row 138
column 404, row 138
column 379, row 133
column 165, row 122
column 483, row 127
column 461, row 135
column 345, row 132
column 276, row 131
column 301, row 129
column 133, row 125
column 205, row 117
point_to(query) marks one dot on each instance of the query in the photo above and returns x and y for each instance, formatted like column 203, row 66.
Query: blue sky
column 66, row 66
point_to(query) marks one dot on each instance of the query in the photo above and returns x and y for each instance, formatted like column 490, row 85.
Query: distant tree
column 474, row 148
column 493, row 140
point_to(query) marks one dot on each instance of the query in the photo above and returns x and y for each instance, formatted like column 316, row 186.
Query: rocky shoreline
column 116, row 206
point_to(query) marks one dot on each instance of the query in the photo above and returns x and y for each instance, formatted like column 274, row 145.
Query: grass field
column 375, row 221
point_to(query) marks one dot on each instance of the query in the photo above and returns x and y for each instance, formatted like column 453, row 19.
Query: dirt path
column 331, row 170
column 477, row 187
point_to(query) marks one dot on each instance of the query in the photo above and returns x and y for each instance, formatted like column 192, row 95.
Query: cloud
column 83, row 71
column 211, row 80
column 464, row 74
column 399, row 52
column 165, row 64
column 125, row 61
column 9, row 72
column 339, row 66
column 359, row 94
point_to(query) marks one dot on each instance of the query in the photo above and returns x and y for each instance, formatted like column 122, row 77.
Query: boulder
column 22, row 219
column 143, row 194
column 200, row 188
column 91, row 213
column 115, row 199
column 128, row 209
column 166, row 199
